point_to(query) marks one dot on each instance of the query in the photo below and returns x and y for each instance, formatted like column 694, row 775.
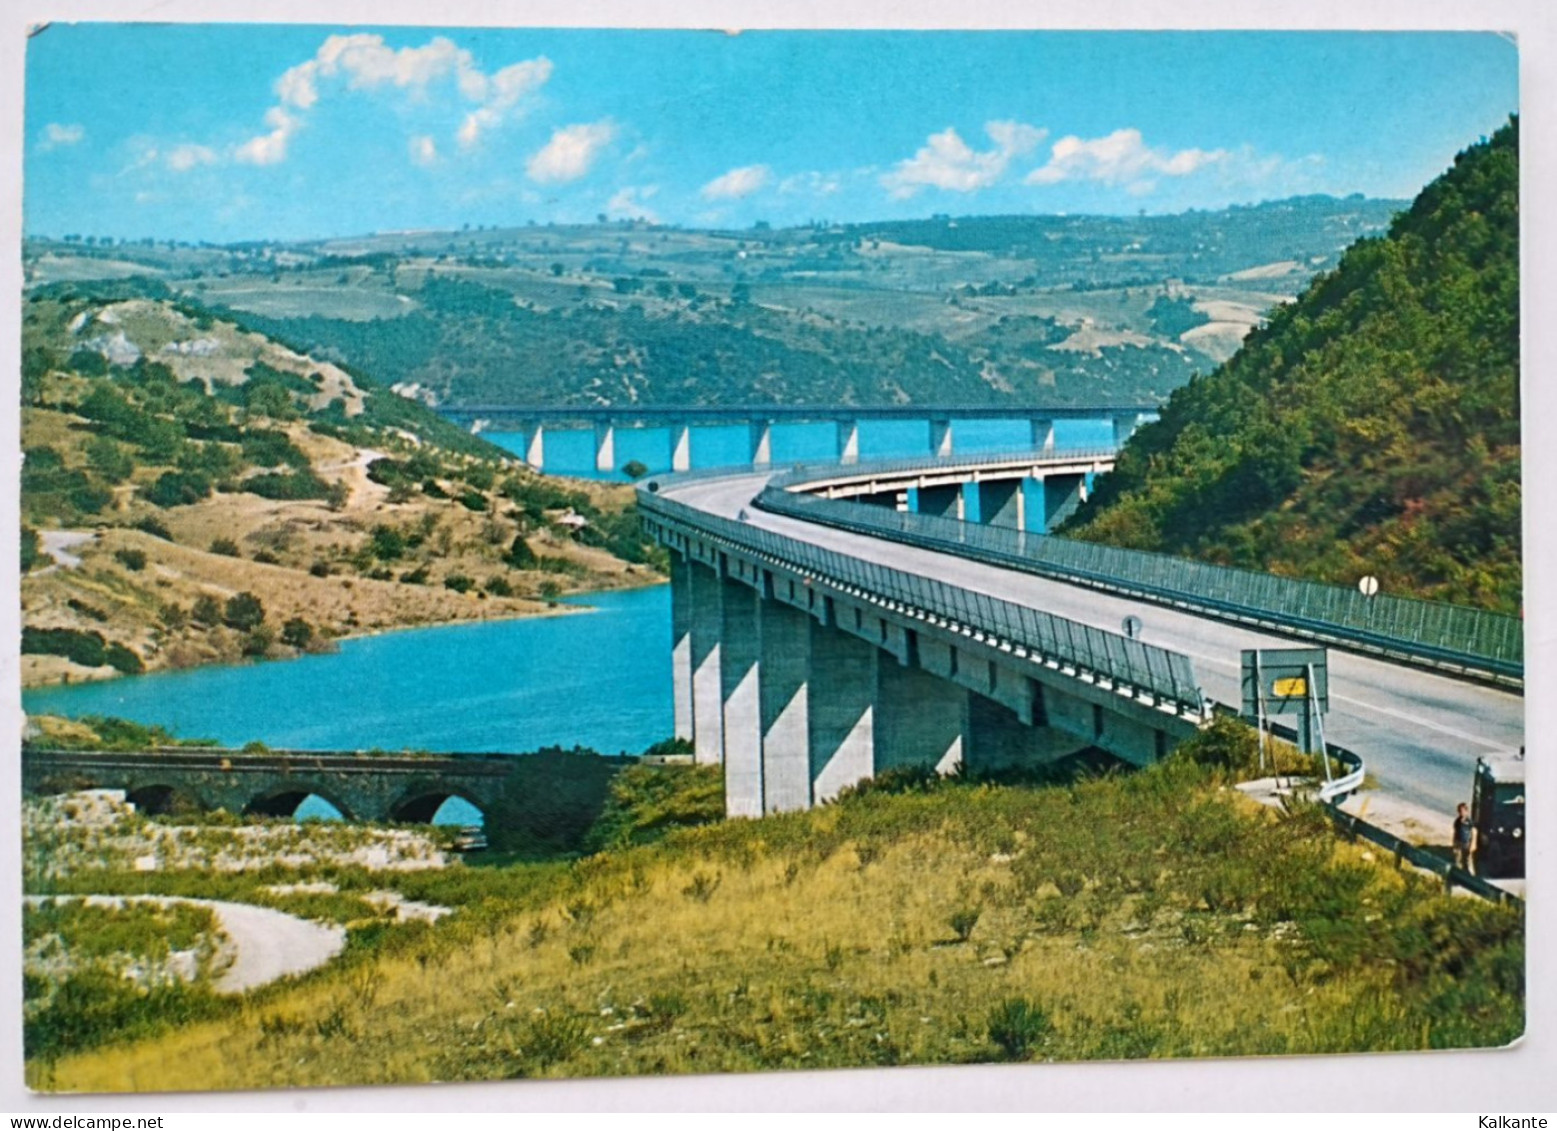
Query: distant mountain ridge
column 1372, row 427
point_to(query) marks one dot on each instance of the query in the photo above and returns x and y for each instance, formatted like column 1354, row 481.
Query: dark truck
column 1498, row 813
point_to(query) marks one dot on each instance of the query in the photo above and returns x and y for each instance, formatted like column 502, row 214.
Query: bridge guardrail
column 1450, row 637
column 1167, row 677
column 785, row 473
column 800, row 473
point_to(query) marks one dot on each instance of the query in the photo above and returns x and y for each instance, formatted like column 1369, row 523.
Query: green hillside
column 1371, row 427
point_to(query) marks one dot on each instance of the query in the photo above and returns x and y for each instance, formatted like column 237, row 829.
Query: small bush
column 1017, row 1027
column 297, row 633
column 151, row 526
column 963, row 921
column 459, row 583
column 225, row 547
column 243, row 612
column 134, row 560
column 553, row 1038
column 207, row 611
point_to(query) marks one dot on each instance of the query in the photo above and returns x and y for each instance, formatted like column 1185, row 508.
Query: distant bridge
column 532, row 420
column 368, row 787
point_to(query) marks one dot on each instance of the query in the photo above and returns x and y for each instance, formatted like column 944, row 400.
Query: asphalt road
column 1418, row 732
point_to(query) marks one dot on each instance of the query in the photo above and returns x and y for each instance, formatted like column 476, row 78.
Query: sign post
column 1288, row 681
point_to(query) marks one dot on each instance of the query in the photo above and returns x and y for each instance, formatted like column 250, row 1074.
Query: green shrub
column 1017, row 1027
column 387, row 543
column 297, row 633
column 459, row 583
column 206, row 611
column 224, row 546
column 519, row 555
column 286, row 485
column 151, row 526
column 131, row 559
column 963, row 921
column 178, row 488
column 243, row 612
column 32, row 548
column 265, row 447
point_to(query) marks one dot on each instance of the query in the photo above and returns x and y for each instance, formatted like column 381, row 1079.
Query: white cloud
column 268, row 149
column 365, row 62
column 570, row 152
column 1121, row 158
column 737, row 183
column 948, row 162
column 56, row 134
column 812, row 183
column 628, row 203
column 424, row 150
column 182, row 158
column 501, row 93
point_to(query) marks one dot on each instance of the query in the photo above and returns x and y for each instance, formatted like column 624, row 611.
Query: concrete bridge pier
column 1041, row 434
column 842, row 711
column 535, row 448
column 681, row 447
column 1002, row 502
column 784, row 697
column 945, row 500
column 605, row 446
column 940, row 438
column 705, row 591
column 998, row 738
column 739, row 654
column 1062, row 494
column 761, row 443
column 681, row 643
column 920, row 720
column 848, row 441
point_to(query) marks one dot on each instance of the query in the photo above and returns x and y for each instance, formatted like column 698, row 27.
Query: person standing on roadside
column 1464, row 837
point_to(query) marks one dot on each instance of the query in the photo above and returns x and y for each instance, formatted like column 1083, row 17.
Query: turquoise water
column 571, row 451
column 599, row 679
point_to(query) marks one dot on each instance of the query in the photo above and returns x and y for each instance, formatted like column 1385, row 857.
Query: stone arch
column 281, row 799
column 419, row 804
column 158, row 798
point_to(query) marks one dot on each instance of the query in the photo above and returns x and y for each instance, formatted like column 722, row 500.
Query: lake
column 599, row 679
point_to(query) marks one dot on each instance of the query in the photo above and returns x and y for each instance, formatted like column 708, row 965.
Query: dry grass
column 1188, row 924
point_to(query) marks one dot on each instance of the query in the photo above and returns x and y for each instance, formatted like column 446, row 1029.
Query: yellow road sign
column 1293, row 688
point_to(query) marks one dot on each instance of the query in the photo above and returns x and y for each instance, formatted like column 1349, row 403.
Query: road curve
column 1420, row 733
column 267, row 944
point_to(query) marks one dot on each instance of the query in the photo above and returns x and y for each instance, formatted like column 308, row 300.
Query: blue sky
column 230, row 132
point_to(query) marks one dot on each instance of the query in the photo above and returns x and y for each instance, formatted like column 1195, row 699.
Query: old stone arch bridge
column 368, row 787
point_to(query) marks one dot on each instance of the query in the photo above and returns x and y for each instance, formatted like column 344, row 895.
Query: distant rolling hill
column 1062, row 309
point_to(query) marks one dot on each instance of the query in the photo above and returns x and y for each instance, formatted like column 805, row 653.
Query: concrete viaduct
column 384, row 788
column 810, row 653
column 805, row 671
column 533, row 421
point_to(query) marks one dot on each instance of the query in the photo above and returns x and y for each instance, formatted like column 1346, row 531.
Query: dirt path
column 58, row 543
column 267, row 944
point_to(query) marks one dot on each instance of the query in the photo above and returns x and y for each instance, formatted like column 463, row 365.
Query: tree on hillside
column 243, row 612
column 1372, row 426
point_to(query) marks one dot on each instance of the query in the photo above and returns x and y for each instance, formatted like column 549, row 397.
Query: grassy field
column 1157, row 914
